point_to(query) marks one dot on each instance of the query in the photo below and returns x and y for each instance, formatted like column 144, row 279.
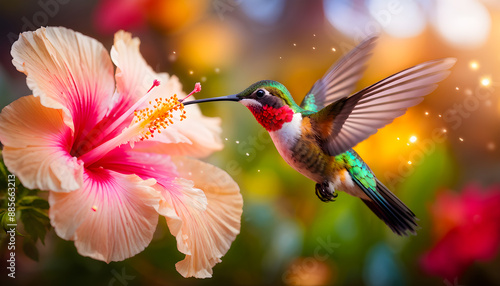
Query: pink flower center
column 157, row 116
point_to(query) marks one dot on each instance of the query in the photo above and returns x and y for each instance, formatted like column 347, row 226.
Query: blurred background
column 441, row 158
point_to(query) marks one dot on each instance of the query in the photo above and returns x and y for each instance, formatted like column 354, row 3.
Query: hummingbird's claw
column 323, row 192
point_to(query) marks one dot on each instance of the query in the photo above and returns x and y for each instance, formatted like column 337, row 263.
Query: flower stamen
column 159, row 116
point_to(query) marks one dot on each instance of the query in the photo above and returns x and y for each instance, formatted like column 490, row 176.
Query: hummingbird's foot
column 324, row 193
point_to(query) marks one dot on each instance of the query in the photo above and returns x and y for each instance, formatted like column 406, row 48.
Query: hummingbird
column 316, row 137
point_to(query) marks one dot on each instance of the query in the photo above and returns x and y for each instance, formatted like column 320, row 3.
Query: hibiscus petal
column 111, row 218
column 68, row 71
column 37, row 144
column 203, row 233
column 145, row 165
column 133, row 76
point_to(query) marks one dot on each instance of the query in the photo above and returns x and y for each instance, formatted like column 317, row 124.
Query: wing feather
column 363, row 113
column 340, row 80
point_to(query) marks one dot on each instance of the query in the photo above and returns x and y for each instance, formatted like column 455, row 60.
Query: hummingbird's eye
column 260, row 93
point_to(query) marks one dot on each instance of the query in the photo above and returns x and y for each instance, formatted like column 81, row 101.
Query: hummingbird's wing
column 340, row 80
column 350, row 120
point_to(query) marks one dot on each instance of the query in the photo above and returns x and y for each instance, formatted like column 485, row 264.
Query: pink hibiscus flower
column 466, row 229
column 70, row 138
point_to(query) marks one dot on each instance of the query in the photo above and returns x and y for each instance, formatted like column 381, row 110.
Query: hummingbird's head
column 269, row 101
column 266, row 93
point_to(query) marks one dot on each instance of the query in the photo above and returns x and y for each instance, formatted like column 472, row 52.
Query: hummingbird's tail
column 390, row 209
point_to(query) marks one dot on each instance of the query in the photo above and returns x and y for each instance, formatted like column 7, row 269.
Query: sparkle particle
column 485, row 81
column 94, row 208
column 474, row 65
column 490, row 146
column 461, row 139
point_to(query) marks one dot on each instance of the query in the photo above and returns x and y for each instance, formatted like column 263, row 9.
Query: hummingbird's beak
column 232, row 97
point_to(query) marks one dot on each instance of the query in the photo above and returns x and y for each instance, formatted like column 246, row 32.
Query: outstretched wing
column 340, row 80
column 350, row 120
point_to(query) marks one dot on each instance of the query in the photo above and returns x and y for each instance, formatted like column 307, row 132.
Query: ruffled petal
column 68, row 71
column 37, row 144
column 111, row 218
column 203, row 232
column 133, row 76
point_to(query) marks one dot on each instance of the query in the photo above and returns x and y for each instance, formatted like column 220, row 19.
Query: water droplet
column 461, row 139
column 237, row 142
column 258, row 171
column 334, row 49
column 409, row 162
column 247, row 154
column 226, row 139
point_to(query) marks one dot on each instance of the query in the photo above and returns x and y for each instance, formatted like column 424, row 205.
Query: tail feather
column 390, row 209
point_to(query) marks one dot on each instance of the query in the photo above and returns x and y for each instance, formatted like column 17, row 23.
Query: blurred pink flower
column 466, row 229
column 113, row 15
column 70, row 138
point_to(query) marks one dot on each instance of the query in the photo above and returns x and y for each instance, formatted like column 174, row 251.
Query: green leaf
column 3, row 172
column 34, row 201
column 30, row 249
column 36, row 222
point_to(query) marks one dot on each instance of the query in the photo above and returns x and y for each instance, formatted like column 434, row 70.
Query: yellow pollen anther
column 159, row 116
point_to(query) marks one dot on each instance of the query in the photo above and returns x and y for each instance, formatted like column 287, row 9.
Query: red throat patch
column 272, row 118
